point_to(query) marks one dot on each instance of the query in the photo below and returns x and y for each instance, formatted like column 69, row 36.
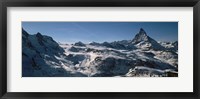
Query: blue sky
column 70, row 32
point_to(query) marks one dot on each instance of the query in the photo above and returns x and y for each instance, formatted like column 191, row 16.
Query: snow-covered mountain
column 143, row 41
column 142, row 56
column 41, row 56
column 173, row 46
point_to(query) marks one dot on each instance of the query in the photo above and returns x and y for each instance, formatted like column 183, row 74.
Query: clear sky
column 70, row 32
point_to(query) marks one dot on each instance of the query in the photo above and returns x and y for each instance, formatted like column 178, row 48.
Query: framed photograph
column 90, row 49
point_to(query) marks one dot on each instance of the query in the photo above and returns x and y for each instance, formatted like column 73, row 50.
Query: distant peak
column 141, row 36
column 79, row 43
column 142, row 31
column 39, row 35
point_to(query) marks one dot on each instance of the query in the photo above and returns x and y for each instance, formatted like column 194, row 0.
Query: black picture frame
column 99, row 3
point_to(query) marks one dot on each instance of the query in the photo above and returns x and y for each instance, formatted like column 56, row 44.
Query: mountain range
column 142, row 56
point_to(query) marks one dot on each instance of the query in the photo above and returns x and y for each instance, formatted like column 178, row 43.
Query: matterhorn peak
column 144, row 40
column 142, row 31
column 141, row 36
